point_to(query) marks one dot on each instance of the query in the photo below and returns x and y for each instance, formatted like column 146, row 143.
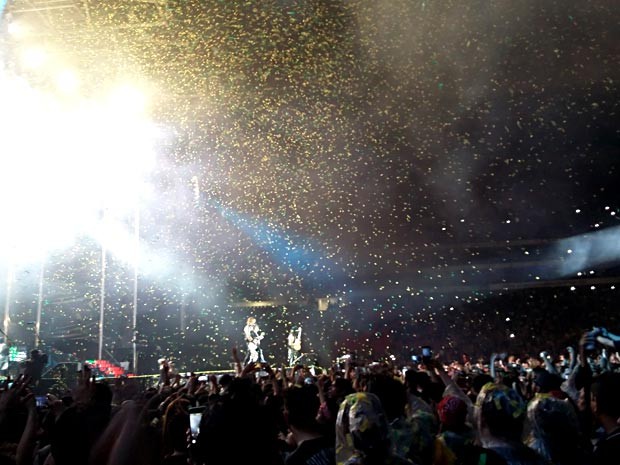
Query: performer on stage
column 5, row 348
column 253, row 336
column 294, row 345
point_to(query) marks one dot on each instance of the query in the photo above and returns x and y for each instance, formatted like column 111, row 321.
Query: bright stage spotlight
column 34, row 57
column 63, row 163
column 67, row 82
column 17, row 29
column 127, row 99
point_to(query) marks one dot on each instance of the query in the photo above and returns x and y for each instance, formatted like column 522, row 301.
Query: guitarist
column 294, row 345
column 253, row 336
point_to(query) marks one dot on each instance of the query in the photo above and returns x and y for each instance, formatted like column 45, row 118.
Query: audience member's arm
column 548, row 361
column 168, row 400
column 572, row 358
column 347, row 369
column 176, row 384
column 295, row 377
column 26, row 446
column 606, row 338
column 585, row 372
column 569, row 386
column 56, row 405
column 272, row 378
column 125, row 437
column 192, row 384
column 10, row 397
column 321, row 386
column 451, row 388
column 492, row 365
column 604, row 361
column 432, row 368
column 248, row 370
column 212, row 383
column 237, row 361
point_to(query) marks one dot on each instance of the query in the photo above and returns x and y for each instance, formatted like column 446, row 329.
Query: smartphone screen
column 41, row 401
column 194, row 423
column 426, row 351
column 195, row 415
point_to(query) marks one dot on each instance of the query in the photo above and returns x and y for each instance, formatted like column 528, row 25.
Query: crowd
column 561, row 410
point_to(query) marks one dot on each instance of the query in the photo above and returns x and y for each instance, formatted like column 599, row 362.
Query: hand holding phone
column 195, row 416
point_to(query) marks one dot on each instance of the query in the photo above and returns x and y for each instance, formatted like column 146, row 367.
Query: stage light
column 34, row 57
column 67, row 82
column 127, row 99
column 63, row 163
column 115, row 237
column 586, row 250
column 17, row 29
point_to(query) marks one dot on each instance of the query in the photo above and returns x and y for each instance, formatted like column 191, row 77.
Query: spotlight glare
column 34, row 58
column 63, row 163
column 67, row 82
column 17, row 29
column 127, row 99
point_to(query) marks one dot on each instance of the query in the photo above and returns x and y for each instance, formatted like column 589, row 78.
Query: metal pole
column 37, row 325
column 102, row 301
column 135, row 287
column 7, row 301
column 182, row 314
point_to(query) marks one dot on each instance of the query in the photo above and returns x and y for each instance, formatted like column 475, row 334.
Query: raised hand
column 12, row 396
column 85, row 389
column 55, row 404
column 192, row 383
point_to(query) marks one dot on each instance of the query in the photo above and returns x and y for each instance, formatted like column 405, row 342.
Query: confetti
column 303, row 154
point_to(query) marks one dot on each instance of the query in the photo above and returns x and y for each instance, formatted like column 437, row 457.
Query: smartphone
column 41, row 401
column 195, row 416
column 427, row 353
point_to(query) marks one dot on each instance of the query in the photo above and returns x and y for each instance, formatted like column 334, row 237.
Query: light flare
column 62, row 163
column 34, row 58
